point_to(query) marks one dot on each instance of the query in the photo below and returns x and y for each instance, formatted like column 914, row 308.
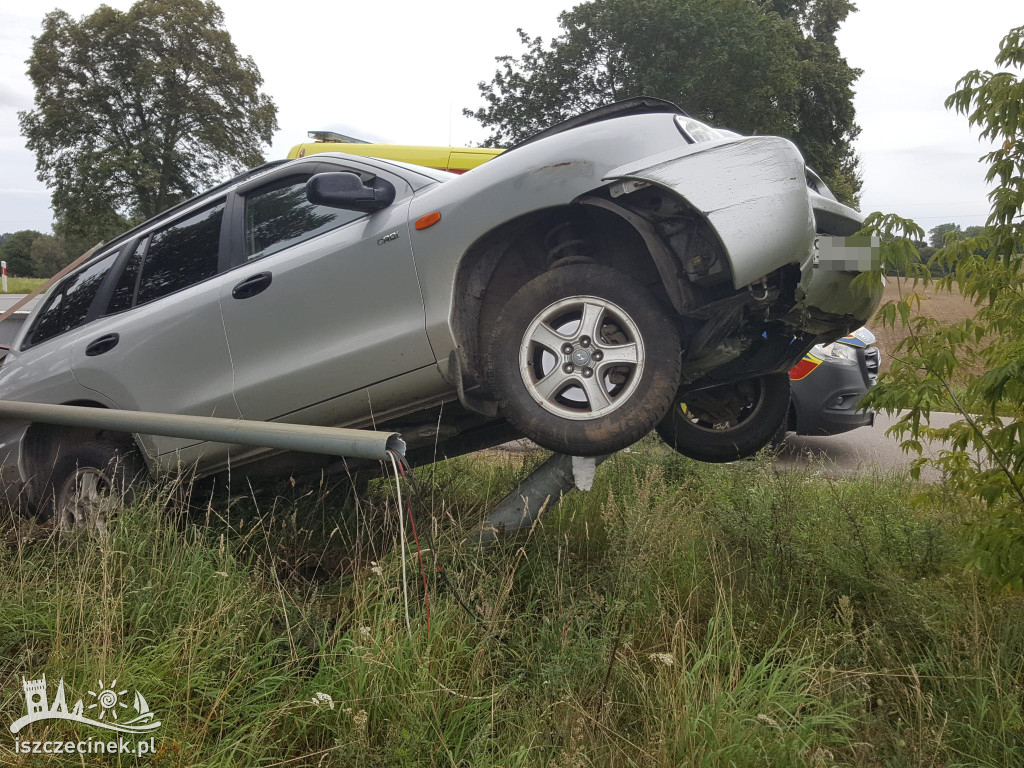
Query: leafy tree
column 137, row 110
column 937, row 235
column 16, row 250
column 976, row 364
column 4, row 236
column 741, row 64
column 49, row 256
column 826, row 119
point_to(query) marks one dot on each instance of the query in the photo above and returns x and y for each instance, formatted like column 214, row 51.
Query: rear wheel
column 88, row 484
column 583, row 360
column 729, row 422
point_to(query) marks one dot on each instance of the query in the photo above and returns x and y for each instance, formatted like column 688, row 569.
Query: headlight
column 695, row 131
column 841, row 351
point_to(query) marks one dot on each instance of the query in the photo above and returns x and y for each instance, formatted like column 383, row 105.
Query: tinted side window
column 124, row 291
column 279, row 216
column 182, row 254
column 69, row 306
column 47, row 324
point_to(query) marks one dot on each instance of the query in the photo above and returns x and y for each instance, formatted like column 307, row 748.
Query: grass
column 679, row 614
column 24, row 284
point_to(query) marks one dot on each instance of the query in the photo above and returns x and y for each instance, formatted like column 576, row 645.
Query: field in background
column 942, row 305
column 679, row 614
column 23, row 284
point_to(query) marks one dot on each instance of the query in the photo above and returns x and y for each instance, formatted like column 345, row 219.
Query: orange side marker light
column 429, row 220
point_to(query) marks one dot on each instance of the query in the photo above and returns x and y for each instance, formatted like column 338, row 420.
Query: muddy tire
column 583, row 360
column 730, row 422
column 88, row 484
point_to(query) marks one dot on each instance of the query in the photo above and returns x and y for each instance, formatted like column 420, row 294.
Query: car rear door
column 161, row 345
column 322, row 301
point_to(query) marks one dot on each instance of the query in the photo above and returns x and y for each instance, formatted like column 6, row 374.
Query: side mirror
column 346, row 190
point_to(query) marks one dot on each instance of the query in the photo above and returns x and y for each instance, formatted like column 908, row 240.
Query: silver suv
column 565, row 291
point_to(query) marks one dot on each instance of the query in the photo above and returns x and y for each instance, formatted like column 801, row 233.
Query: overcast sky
column 401, row 71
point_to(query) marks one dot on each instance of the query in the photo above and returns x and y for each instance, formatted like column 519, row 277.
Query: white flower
column 665, row 658
column 323, row 698
column 762, row 718
column 376, row 569
column 364, row 632
column 359, row 721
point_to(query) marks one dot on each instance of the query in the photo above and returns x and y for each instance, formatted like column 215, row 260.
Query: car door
column 39, row 370
column 323, row 302
column 160, row 345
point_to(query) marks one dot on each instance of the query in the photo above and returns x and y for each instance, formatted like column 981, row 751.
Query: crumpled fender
column 752, row 190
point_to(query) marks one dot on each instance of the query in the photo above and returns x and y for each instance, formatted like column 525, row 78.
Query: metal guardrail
column 332, row 441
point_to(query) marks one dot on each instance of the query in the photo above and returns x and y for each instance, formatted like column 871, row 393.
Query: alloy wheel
column 723, row 408
column 85, row 499
column 581, row 357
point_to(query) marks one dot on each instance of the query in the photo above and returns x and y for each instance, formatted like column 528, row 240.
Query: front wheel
column 728, row 422
column 583, row 360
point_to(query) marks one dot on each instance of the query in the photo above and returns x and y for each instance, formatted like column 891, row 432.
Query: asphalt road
column 8, row 300
column 862, row 450
column 11, row 326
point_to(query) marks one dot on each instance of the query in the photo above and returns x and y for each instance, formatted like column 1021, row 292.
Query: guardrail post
column 544, row 487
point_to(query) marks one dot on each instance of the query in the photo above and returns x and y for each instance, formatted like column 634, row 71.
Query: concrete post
column 546, row 485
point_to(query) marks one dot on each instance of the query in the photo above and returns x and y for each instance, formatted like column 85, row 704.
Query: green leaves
column 974, row 366
column 16, row 250
column 735, row 63
column 137, row 110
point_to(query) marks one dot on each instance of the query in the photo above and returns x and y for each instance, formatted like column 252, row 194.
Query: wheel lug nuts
column 587, row 373
column 567, row 349
column 597, row 355
column 584, row 341
column 568, row 368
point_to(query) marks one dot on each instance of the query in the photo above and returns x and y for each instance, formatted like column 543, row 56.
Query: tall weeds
column 678, row 614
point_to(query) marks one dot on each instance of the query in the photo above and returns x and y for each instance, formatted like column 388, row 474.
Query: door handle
column 252, row 285
column 102, row 344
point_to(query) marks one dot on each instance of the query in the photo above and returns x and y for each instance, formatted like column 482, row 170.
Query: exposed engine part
column 723, row 323
column 713, row 357
column 701, row 261
column 759, row 290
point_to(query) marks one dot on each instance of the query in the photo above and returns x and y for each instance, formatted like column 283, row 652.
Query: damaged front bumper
column 769, row 212
column 752, row 191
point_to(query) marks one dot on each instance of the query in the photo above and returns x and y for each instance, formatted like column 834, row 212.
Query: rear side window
column 181, row 254
column 124, row 291
column 68, row 307
column 279, row 216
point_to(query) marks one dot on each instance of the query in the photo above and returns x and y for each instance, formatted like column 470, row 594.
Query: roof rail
column 639, row 105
